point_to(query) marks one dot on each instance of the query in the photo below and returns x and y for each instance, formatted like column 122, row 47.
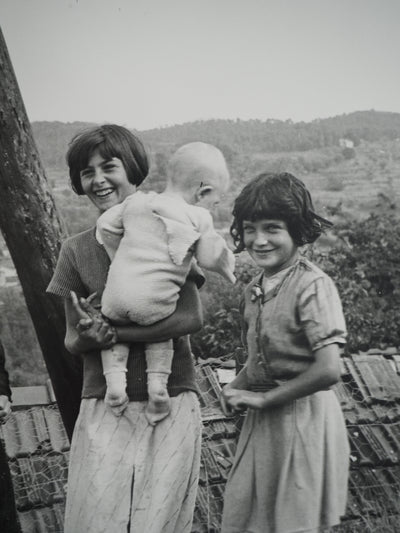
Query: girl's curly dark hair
column 279, row 196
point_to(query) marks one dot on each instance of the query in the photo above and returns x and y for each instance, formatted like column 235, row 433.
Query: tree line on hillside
column 231, row 136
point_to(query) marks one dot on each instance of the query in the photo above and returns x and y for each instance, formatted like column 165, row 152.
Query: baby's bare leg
column 114, row 362
column 159, row 361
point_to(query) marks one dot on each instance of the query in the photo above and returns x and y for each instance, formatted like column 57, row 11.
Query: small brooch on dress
column 256, row 292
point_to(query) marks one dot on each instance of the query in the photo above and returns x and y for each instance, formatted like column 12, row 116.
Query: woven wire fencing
column 38, row 449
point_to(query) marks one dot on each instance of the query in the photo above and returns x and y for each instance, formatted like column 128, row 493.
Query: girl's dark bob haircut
column 279, row 196
column 111, row 141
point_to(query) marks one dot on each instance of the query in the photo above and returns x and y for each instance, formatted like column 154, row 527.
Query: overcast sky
column 151, row 63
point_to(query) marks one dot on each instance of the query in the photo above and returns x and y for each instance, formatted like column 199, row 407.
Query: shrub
column 334, row 183
column 349, row 153
column 365, row 265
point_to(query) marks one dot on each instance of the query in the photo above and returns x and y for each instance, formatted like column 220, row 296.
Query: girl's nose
column 260, row 238
column 98, row 176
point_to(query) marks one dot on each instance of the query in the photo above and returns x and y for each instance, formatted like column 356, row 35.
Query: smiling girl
column 291, row 466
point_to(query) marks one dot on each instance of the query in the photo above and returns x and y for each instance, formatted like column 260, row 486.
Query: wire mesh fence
column 38, row 450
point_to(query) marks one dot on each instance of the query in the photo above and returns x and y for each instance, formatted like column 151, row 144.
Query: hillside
column 241, row 136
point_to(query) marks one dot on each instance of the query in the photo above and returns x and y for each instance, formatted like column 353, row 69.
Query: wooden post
column 33, row 231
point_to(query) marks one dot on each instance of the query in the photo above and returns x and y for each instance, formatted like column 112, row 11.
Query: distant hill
column 52, row 140
column 276, row 136
column 237, row 136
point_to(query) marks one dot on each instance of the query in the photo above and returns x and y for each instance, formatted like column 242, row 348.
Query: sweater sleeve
column 66, row 277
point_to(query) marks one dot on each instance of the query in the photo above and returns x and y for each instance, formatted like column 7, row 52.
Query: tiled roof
column 37, row 447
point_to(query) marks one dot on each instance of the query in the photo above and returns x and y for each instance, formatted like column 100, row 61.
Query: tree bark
column 33, row 231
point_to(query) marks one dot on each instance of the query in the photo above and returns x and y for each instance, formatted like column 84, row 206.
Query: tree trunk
column 33, row 231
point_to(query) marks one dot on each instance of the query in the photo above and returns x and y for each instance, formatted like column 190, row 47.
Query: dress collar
column 267, row 287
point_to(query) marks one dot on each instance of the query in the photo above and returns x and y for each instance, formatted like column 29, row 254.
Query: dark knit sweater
column 82, row 267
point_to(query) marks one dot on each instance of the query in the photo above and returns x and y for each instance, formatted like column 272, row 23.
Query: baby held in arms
column 151, row 240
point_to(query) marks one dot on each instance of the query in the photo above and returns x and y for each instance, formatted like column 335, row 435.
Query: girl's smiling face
column 269, row 244
column 105, row 182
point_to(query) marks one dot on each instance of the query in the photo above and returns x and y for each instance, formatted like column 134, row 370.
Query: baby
column 151, row 240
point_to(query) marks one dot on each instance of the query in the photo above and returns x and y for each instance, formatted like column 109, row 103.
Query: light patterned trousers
column 126, row 476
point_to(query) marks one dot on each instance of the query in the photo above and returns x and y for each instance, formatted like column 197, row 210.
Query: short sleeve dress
column 291, row 466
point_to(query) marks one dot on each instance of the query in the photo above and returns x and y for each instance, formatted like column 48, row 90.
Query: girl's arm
column 239, row 383
column 322, row 373
column 187, row 318
column 85, row 333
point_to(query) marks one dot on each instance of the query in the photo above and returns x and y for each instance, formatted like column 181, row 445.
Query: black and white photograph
column 199, row 266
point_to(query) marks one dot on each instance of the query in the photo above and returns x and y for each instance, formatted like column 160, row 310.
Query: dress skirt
column 291, row 469
column 127, row 476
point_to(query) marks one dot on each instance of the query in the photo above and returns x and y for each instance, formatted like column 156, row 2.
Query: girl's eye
column 86, row 173
column 108, row 167
column 272, row 228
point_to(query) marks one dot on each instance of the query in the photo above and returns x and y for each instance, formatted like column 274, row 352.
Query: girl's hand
column 5, row 409
column 92, row 326
column 239, row 400
column 84, row 308
column 226, row 409
column 232, row 398
column 97, row 332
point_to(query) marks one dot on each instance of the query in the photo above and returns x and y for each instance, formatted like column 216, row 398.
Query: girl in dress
column 291, row 467
column 125, row 476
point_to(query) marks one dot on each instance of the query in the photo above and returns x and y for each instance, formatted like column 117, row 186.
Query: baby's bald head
column 197, row 170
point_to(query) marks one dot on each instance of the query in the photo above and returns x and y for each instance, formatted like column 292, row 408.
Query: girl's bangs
column 261, row 208
column 107, row 150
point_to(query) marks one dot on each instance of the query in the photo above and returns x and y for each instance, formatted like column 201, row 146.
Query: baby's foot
column 116, row 397
column 116, row 402
column 158, row 406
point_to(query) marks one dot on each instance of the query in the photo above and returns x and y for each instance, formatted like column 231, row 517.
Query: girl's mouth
column 103, row 193
column 263, row 252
